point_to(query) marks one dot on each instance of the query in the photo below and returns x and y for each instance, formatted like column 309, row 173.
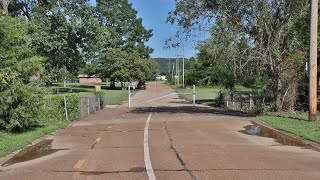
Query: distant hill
column 164, row 64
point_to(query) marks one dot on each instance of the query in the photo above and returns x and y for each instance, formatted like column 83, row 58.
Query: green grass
column 111, row 97
column 295, row 124
column 205, row 94
column 10, row 142
column 115, row 97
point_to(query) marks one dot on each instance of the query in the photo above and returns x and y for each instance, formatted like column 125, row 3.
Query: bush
column 53, row 107
column 101, row 95
column 19, row 105
column 219, row 102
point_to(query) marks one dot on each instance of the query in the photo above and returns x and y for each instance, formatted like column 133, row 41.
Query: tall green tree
column 65, row 35
column 274, row 32
column 20, row 97
column 126, row 35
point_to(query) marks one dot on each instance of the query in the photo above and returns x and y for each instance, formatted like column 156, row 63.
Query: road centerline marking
column 97, row 140
column 146, row 150
column 79, row 164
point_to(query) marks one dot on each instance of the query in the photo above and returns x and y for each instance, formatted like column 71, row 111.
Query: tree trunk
column 5, row 5
column 278, row 96
column 112, row 83
column 123, row 86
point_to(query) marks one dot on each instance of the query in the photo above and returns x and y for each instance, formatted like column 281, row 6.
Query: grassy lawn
column 10, row 142
column 115, row 97
column 205, row 95
column 111, row 97
column 295, row 124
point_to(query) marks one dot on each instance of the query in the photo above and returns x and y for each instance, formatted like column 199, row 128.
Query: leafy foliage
column 53, row 107
column 260, row 39
column 20, row 97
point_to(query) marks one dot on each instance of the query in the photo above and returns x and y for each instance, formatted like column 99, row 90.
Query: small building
column 85, row 78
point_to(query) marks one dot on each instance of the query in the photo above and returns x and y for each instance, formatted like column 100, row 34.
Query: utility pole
column 169, row 65
column 183, row 65
column 313, row 61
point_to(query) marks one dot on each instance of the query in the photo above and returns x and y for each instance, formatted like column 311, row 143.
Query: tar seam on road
column 147, row 160
column 177, row 154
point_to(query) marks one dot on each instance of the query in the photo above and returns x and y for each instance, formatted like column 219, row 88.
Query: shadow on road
column 190, row 110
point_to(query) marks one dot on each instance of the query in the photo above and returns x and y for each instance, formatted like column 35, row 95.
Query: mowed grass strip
column 110, row 96
column 115, row 97
column 295, row 124
column 10, row 142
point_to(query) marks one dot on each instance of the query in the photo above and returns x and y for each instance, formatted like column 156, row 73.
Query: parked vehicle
column 141, row 85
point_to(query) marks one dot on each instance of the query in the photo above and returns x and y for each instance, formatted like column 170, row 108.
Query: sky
column 154, row 14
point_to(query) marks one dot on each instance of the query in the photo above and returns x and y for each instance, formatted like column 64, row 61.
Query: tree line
column 45, row 41
column 254, row 42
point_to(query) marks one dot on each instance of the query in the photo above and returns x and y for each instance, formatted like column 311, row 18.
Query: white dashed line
column 147, row 160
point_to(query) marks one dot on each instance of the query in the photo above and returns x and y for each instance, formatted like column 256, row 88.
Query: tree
column 61, row 35
column 5, row 5
column 125, row 42
column 20, row 97
column 273, row 33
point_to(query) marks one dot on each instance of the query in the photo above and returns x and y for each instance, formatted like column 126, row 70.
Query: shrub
column 101, row 95
column 219, row 102
column 19, row 105
column 53, row 107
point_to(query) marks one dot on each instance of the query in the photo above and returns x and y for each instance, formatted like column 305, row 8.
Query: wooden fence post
column 250, row 102
column 232, row 100
column 240, row 97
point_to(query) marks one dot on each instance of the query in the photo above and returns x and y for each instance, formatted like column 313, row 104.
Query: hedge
column 53, row 107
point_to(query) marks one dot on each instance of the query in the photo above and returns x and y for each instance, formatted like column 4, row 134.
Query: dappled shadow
column 190, row 110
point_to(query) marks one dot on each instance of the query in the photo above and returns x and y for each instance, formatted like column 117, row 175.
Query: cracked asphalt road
column 183, row 142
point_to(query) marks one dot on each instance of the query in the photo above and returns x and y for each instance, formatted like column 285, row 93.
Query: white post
column 65, row 107
column 194, row 95
column 178, row 67
column 129, row 101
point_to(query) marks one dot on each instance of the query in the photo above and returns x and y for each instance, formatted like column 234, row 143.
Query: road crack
column 185, row 167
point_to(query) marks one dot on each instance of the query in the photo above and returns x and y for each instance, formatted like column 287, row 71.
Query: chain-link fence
column 89, row 104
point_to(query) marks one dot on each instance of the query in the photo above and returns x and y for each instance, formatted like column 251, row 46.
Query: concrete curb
column 307, row 144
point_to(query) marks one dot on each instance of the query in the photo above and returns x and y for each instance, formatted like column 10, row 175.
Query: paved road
column 164, row 137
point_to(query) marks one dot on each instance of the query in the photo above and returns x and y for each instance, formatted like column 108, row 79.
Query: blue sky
column 154, row 14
